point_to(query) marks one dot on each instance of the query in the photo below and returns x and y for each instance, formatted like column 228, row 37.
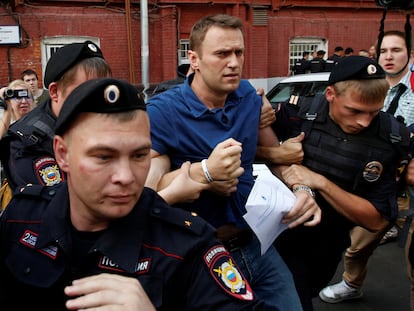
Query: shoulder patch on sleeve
column 47, row 171
column 225, row 272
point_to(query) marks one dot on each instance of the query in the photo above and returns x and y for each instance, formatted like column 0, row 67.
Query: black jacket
column 172, row 253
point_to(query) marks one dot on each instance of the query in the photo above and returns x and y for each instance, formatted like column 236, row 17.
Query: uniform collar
column 116, row 243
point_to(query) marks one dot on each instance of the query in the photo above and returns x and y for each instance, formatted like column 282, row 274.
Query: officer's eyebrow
column 107, row 148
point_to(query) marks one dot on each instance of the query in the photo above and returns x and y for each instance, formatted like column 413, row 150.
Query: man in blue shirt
column 212, row 120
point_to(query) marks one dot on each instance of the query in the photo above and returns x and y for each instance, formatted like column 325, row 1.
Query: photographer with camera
column 16, row 100
column 6, row 113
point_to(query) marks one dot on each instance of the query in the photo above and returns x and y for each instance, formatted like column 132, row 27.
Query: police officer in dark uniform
column 352, row 152
column 318, row 63
column 64, row 245
column 334, row 58
column 182, row 72
column 26, row 150
column 302, row 65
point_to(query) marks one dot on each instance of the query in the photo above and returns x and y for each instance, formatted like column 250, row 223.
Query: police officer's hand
column 291, row 151
column 301, row 175
column 183, row 188
column 225, row 187
column 107, row 292
column 267, row 115
column 305, row 211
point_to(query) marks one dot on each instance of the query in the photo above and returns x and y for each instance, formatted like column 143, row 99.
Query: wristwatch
column 305, row 188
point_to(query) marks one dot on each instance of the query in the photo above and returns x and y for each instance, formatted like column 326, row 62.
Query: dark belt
column 234, row 238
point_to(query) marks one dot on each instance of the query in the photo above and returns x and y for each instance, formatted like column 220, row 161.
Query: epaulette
column 34, row 190
column 189, row 221
column 293, row 100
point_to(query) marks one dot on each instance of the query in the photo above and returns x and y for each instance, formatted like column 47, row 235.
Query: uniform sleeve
column 215, row 282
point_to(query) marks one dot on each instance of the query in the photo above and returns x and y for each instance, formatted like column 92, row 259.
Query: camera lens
column 8, row 93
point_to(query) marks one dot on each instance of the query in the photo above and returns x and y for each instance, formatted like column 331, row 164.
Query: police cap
column 68, row 56
column 321, row 52
column 103, row 95
column 355, row 68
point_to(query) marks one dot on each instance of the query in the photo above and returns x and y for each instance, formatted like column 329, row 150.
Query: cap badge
column 92, row 47
column 371, row 69
column 372, row 171
column 111, row 94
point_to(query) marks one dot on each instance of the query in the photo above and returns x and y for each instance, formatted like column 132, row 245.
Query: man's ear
column 329, row 93
column 193, row 58
column 61, row 152
column 53, row 91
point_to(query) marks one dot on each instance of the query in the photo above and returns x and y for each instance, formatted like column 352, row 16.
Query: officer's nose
column 123, row 173
column 364, row 120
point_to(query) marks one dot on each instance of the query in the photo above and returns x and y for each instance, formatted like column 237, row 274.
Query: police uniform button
column 52, row 192
column 27, row 270
column 156, row 210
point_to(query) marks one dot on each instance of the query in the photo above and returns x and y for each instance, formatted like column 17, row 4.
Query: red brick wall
column 349, row 28
column 267, row 47
column 109, row 26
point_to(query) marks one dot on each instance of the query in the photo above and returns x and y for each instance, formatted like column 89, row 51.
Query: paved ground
column 386, row 287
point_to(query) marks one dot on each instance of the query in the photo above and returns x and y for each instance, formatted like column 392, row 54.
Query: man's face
column 220, row 60
column 32, row 81
column 393, row 56
column 106, row 161
column 349, row 112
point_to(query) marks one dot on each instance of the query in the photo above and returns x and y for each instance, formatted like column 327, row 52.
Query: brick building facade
column 273, row 29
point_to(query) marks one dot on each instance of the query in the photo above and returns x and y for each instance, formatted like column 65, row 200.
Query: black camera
column 8, row 93
column 396, row 4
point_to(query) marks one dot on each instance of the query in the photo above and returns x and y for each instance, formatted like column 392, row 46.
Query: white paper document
column 269, row 200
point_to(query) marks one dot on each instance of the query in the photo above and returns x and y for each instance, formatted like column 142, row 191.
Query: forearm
column 160, row 165
column 359, row 210
column 268, row 138
column 275, row 155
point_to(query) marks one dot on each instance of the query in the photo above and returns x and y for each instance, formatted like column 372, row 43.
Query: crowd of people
column 315, row 61
column 124, row 204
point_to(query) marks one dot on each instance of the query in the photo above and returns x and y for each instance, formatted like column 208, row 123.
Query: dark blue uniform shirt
column 364, row 164
column 173, row 254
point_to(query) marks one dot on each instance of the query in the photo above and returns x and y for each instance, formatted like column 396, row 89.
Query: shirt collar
column 116, row 242
column 197, row 107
